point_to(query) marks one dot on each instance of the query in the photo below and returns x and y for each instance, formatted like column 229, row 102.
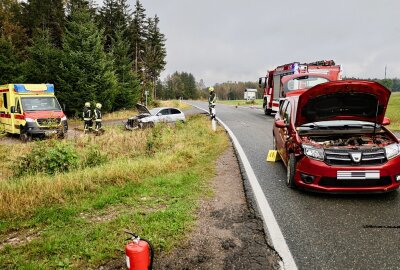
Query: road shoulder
column 227, row 234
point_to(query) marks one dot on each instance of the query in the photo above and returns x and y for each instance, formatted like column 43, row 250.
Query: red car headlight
column 392, row 150
column 314, row 152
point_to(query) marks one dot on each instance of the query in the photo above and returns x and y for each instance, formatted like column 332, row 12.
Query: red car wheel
column 291, row 171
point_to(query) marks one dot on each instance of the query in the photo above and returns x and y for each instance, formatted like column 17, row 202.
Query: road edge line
column 273, row 229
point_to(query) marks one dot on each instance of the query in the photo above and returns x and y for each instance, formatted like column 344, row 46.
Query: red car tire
column 291, row 171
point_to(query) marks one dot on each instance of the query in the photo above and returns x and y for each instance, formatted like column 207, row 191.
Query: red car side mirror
column 280, row 124
column 386, row 121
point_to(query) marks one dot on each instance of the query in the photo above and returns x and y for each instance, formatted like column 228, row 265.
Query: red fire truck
column 272, row 82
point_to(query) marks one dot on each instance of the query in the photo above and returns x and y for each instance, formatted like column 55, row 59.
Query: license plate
column 358, row 175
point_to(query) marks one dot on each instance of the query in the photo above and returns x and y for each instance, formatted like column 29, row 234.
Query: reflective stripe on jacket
column 212, row 99
column 87, row 114
column 97, row 115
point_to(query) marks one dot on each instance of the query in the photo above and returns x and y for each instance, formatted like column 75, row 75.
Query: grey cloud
column 236, row 40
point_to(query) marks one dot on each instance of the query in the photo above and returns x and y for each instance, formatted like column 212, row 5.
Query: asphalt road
column 322, row 231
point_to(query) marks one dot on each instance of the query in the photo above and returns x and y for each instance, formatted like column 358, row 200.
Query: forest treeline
column 184, row 85
column 110, row 54
column 392, row 84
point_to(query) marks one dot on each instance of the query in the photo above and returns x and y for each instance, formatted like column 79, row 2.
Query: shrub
column 93, row 157
column 155, row 103
column 154, row 139
column 53, row 157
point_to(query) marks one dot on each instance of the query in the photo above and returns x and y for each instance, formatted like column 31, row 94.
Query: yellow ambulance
column 31, row 110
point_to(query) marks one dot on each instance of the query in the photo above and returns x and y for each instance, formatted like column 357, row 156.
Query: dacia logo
column 356, row 157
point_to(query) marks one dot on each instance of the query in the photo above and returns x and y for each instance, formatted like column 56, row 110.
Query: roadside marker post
column 214, row 125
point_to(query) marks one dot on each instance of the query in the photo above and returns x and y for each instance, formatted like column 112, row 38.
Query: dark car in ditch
column 332, row 138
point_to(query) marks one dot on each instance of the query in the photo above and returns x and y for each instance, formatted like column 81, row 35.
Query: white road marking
column 274, row 232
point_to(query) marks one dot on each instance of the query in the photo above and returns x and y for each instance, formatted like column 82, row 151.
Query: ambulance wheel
column 25, row 137
column 291, row 171
column 63, row 135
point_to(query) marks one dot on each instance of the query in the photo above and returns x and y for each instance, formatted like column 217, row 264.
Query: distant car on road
column 332, row 138
column 147, row 118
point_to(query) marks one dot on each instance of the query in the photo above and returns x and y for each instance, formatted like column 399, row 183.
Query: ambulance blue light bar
column 34, row 88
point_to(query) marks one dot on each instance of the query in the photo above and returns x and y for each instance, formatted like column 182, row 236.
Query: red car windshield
column 303, row 82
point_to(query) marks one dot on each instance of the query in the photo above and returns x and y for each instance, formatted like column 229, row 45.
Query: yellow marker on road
column 273, row 156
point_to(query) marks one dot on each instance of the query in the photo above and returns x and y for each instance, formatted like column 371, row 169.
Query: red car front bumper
column 325, row 177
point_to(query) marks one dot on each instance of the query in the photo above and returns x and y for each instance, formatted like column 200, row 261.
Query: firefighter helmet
column 211, row 89
column 98, row 106
column 87, row 104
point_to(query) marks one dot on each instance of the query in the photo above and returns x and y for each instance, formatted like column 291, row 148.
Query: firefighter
column 87, row 118
column 211, row 101
column 98, row 116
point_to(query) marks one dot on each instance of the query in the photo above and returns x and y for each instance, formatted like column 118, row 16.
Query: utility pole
column 385, row 71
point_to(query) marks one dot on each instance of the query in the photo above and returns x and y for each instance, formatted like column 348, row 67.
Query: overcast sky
column 239, row 40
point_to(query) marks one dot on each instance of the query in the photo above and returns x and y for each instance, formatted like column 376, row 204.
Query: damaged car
column 147, row 118
column 332, row 138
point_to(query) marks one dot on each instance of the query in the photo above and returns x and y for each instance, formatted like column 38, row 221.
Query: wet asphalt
column 322, row 231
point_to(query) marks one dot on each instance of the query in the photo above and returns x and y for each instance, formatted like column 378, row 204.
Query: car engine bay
column 349, row 140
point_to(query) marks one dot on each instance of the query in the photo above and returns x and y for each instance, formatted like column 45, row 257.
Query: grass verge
column 241, row 102
column 393, row 112
column 150, row 183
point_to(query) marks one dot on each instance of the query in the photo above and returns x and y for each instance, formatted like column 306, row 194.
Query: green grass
column 393, row 112
column 79, row 222
column 241, row 102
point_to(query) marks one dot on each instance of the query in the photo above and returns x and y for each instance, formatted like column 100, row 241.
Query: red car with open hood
column 332, row 138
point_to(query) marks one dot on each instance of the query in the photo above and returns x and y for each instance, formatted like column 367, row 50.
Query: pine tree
column 128, row 85
column 10, row 63
column 113, row 15
column 72, row 5
column 10, row 26
column 44, row 60
column 45, row 14
column 179, row 85
column 155, row 51
column 86, row 73
column 137, row 33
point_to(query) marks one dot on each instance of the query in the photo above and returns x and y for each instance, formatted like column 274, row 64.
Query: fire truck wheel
column 291, row 171
column 267, row 111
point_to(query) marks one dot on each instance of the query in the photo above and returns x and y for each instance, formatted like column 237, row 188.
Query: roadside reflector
column 273, row 156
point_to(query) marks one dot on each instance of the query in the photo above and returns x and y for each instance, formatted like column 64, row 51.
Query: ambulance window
column 18, row 110
column 5, row 100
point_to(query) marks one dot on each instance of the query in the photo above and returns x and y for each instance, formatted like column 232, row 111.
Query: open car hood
column 142, row 109
column 343, row 100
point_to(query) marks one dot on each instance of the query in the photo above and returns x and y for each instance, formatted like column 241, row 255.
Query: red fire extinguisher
column 139, row 253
